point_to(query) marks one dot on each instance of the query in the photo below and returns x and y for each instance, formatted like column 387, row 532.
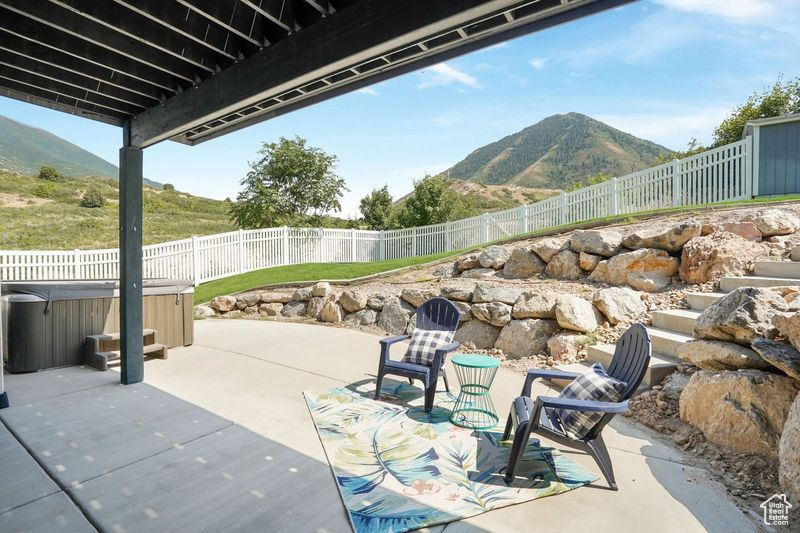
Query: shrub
column 45, row 190
column 48, row 173
column 93, row 198
column 169, row 187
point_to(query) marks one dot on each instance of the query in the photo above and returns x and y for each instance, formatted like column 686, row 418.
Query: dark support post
column 130, row 261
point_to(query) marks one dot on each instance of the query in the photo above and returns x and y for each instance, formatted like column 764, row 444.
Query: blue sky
column 664, row 70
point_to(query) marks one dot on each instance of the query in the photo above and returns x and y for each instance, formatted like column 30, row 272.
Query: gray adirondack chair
column 629, row 364
column 435, row 314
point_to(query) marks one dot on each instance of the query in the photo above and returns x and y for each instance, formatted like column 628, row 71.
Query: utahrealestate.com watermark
column 776, row 510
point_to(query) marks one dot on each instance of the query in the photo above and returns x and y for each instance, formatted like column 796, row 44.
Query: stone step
column 701, row 300
column 678, row 320
column 777, row 269
column 729, row 283
column 661, row 365
column 667, row 342
column 796, row 253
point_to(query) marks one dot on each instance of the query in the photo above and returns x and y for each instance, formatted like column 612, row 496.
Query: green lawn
column 309, row 272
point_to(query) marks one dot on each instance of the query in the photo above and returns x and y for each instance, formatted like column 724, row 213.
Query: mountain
column 25, row 149
column 555, row 152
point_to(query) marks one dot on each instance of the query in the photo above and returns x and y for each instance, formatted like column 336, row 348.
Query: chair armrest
column 441, row 353
column 535, row 373
column 583, row 405
column 387, row 343
column 447, row 348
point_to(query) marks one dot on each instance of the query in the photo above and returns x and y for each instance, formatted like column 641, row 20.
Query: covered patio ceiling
column 192, row 70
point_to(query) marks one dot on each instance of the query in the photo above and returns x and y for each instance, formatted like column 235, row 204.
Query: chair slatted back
column 438, row 314
column 631, row 358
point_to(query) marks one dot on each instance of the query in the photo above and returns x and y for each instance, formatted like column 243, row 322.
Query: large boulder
column 467, row 263
column 589, row 262
column 485, row 293
column 743, row 410
column 669, row 238
column 523, row 264
column 576, row 314
column 495, row 313
column 302, row 295
column 646, row 269
column 779, row 354
column 456, row 294
column 417, row 297
column 535, row 305
column 331, row 312
column 619, row 304
column 524, row 338
column 315, row 305
column 204, row 311
column 294, row 309
column 270, row 309
column 772, row 222
column 479, row 273
column 464, row 310
column 353, row 301
column 788, row 325
column 564, row 265
column 745, row 230
column 394, row 317
column 274, row 297
column 708, row 258
column 445, row 270
column 321, row 289
column 365, row 317
column 597, row 242
column 789, row 454
column 547, row 248
column 478, row 334
column 741, row 316
column 565, row 347
column 718, row 355
column 494, row 257
column 249, row 299
column 223, row 304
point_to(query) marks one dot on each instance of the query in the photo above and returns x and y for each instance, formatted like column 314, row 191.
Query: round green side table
column 474, row 408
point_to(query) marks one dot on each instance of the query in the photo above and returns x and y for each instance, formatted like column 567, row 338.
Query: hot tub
column 45, row 323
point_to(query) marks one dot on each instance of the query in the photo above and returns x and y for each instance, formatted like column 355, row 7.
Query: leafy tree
column 169, row 187
column 376, row 207
column 291, row 184
column 93, row 198
column 781, row 99
column 433, row 202
column 592, row 179
column 46, row 172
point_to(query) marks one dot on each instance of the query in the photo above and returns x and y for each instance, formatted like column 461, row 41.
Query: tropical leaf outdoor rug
column 399, row 468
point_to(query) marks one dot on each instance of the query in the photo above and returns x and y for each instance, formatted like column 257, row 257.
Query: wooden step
column 108, row 337
column 700, row 301
column 99, row 360
column 678, row 320
column 777, row 269
column 661, row 365
column 729, row 283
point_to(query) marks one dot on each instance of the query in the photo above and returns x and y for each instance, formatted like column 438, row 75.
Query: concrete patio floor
column 218, row 438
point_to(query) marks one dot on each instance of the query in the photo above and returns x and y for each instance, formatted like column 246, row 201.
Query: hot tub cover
column 51, row 291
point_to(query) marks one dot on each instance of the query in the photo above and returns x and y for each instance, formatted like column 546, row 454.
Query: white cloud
column 736, row 10
column 444, row 74
column 368, row 90
column 538, row 62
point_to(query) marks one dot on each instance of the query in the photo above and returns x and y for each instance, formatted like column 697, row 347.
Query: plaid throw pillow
column 596, row 385
column 424, row 344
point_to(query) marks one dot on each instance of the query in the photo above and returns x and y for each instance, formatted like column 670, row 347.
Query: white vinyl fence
column 719, row 175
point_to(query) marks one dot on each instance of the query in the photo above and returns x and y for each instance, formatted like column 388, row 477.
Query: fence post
column 447, row 226
column 381, row 245
column 676, row 183
column 285, row 258
column 77, row 274
column 523, row 211
column 414, row 242
column 614, row 197
column 750, row 162
column 195, row 261
column 485, row 228
column 240, row 246
column 562, row 212
column 353, row 245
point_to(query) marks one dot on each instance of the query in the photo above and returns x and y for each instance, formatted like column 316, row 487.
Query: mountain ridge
column 556, row 151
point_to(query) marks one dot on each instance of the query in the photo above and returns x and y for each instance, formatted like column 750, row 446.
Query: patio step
column 666, row 342
column 777, row 269
column 796, row 253
column 661, row 365
column 700, row 301
column 677, row 320
column 730, row 283
column 99, row 360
